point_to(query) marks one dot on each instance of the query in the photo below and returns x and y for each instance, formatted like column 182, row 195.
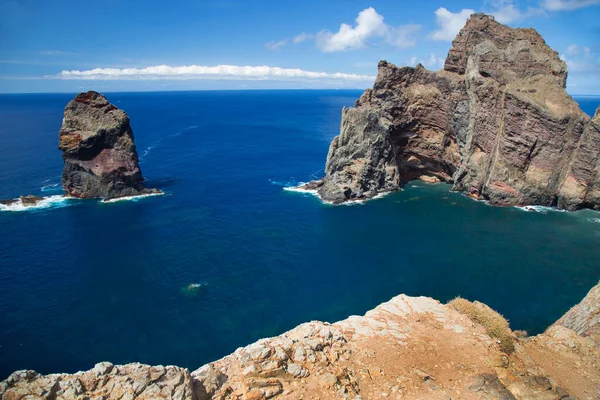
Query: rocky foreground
column 98, row 150
column 407, row 348
column 496, row 122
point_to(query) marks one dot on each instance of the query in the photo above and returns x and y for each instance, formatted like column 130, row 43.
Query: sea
column 229, row 254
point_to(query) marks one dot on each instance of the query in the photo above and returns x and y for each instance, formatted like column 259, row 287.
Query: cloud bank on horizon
column 206, row 72
column 335, row 51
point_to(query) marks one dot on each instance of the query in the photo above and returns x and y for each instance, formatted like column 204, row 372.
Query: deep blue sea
column 83, row 282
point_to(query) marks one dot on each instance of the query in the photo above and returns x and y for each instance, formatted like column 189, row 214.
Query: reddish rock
column 496, row 121
column 98, row 150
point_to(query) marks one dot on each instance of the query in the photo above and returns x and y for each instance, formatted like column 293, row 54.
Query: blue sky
column 69, row 46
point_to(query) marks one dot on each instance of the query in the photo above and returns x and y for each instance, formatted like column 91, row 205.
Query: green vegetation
column 495, row 324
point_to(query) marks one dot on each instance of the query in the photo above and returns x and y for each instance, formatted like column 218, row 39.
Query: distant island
column 496, row 123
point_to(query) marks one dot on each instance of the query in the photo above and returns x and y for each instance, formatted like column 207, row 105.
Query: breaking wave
column 539, row 209
column 299, row 189
column 130, row 198
column 56, row 201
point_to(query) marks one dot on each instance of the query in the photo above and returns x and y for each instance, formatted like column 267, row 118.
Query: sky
column 117, row 45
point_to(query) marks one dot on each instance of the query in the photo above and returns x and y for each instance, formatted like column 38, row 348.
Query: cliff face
column 98, row 150
column 584, row 318
column 496, row 122
column 409, row 348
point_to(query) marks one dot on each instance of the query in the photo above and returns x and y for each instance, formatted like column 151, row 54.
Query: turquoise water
column 82, row 282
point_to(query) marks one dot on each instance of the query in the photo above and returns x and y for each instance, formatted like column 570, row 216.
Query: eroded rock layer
column 496, row 122
column 407, row 348
column 98, row 150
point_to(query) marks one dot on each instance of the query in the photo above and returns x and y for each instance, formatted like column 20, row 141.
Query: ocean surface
column 228, row 255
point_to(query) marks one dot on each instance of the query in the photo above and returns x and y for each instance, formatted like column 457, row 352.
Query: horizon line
column 226, row 90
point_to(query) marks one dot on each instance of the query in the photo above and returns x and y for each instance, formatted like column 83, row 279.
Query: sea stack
column 99, row 152
column 496, row 123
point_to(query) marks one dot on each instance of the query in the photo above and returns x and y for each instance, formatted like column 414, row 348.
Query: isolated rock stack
column 496, row 122
column 98, row 150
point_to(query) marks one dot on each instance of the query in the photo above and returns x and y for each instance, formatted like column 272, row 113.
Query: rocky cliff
column 584, row 318
column 98, row 150
column 496, row 122
column 407, row 348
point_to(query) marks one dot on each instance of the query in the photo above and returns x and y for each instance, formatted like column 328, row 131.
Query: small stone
column 297, row 371
column 258, row 351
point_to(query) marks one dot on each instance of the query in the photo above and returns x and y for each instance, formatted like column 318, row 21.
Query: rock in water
column 27, row 201
column 496, row 122
column 98, row 149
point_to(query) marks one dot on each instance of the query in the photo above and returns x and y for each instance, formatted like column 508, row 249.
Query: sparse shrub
column 495, row 324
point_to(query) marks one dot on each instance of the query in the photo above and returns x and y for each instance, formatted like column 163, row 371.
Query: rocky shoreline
column 496, row 123
column 406, row 348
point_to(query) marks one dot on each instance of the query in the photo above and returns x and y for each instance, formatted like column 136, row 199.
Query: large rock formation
column 407, row 348
column 496, row 122
column 98, row 150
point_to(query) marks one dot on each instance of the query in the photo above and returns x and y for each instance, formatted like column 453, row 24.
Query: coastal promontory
column 406, row 348
column 98, row 150
column 496, row 122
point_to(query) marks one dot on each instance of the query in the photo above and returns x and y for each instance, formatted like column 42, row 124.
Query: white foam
column 300, row 189
column 131, row 198
column 313, row 192
column 47, row 202
column 596, row 220
column 51, row 187
column 147, row 151
column 540, row 209
column 196, row 285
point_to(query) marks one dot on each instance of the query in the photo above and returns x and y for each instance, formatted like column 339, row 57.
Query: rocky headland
column 407, row 348
column 98, row 150
column 496, row 123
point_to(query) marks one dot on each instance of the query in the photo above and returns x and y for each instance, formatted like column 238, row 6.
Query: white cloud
column 507, row 14
column 56, row 53
column 206, row 72
column 402, row 36
column 302, row 37
column 574, row 50
column 368, row 24
column 449, row 23
column 276, row 45
column 433, row 62
column 581, row 61
column 558, row 5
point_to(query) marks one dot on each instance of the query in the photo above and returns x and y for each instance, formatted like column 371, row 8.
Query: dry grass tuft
column 495, row 324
